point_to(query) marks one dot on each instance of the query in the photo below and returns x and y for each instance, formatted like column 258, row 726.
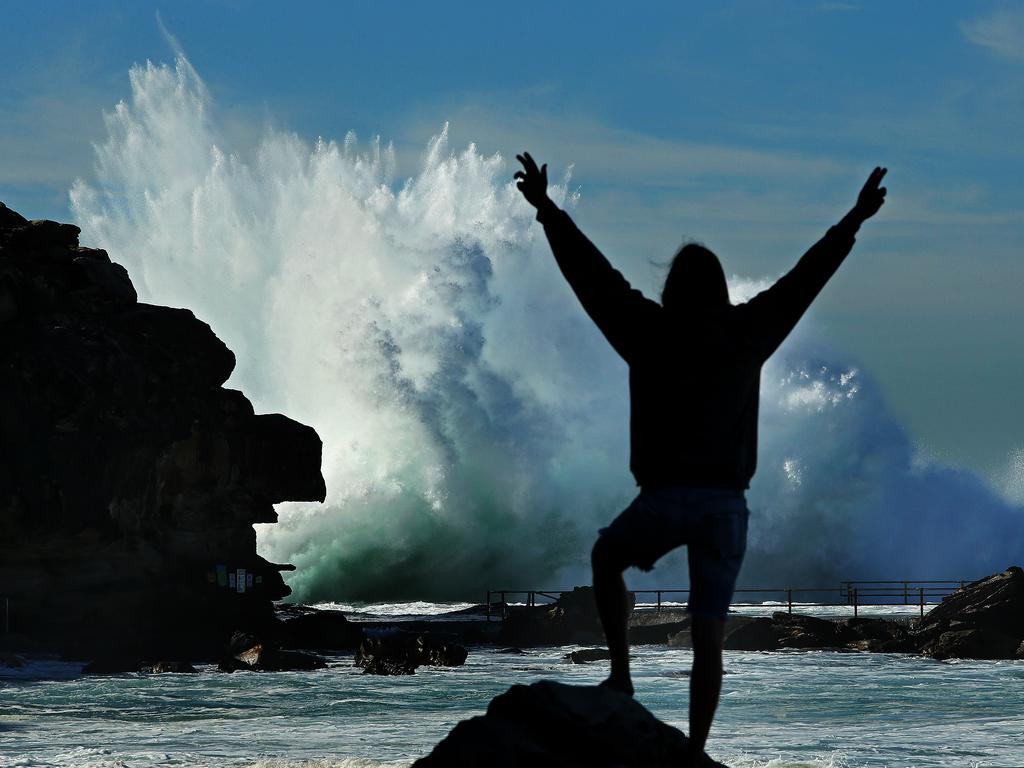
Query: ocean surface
column 778, row 710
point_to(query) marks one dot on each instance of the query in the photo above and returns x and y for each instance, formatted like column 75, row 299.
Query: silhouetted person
column 694, row 379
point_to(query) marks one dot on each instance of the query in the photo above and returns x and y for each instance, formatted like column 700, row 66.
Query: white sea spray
column 474, row 423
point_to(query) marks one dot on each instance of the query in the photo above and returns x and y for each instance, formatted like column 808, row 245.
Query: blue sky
column 748, row 125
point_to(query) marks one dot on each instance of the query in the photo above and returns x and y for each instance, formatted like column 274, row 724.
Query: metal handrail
column 852, row 591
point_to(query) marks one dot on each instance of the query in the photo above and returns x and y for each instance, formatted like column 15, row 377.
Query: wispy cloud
column 614, row 154
column 1002, row 32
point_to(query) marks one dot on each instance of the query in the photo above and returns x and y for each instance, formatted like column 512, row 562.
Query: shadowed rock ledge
column 552, row 724
column 130, row 479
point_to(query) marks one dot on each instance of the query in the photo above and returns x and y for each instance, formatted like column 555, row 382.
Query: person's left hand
column 533, row 181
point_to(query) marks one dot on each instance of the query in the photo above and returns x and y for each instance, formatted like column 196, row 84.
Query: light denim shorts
column 711, row 522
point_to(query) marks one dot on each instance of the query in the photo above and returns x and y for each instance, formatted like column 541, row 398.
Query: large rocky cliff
column 130, row 478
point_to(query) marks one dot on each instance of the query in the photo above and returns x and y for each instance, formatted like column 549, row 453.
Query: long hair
column 695, row 281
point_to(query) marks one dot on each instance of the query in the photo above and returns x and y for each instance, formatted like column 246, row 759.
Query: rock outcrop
column 400, row 653
column 981, row 620
column 130, row 478
column 249, row 652
column 320, row 630
column 572, row 619
column 551, row 724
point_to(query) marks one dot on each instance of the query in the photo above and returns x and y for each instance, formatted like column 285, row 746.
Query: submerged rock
column 551, row 724
column 130, row 478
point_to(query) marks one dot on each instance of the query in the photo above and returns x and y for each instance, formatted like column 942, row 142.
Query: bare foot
column 624, row 685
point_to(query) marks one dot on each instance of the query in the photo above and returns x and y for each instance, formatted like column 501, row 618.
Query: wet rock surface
column 981, row 620
column 551, row 724
column 400, row 653
column 586, row 655
column 130, row 478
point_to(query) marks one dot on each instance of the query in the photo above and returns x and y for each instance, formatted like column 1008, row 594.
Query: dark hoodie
column 694, row 375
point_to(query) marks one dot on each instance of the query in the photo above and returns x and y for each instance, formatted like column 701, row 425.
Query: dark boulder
column 321, row 631
column 879, row 635
column 658, row 634
column 400, row 653
column 551, row 724
column 761, row 634
column 799, row 631
column 586, row 655
column 972, row 644
column 572, row 619
column 241, row 642
column 267, row 657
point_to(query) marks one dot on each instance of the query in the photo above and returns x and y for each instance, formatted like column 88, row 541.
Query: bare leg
column 613, row 608
column 708, row 636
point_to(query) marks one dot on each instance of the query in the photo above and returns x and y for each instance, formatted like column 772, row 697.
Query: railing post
column 789, row 600
column 504, row 607
column 488, row 605
column 659, row 601
column 920, row 591
column 855, row 602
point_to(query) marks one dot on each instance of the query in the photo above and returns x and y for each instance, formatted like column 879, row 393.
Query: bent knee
column 707, row 635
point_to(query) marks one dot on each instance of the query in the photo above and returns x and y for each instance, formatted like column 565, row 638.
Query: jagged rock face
column 549, row 724
column 981, row 620
column 128, row 474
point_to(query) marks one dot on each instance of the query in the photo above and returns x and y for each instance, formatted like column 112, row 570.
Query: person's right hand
column 533, row 181
column 871, row 195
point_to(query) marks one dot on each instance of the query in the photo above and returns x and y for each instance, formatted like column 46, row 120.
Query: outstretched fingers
column 876, row 176
column 528, row 163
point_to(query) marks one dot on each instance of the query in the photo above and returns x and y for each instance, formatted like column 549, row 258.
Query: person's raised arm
column 620, row 311
column 773, row 312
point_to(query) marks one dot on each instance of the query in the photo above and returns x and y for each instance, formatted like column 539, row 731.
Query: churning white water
column 474, row 423
column 801, row 709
